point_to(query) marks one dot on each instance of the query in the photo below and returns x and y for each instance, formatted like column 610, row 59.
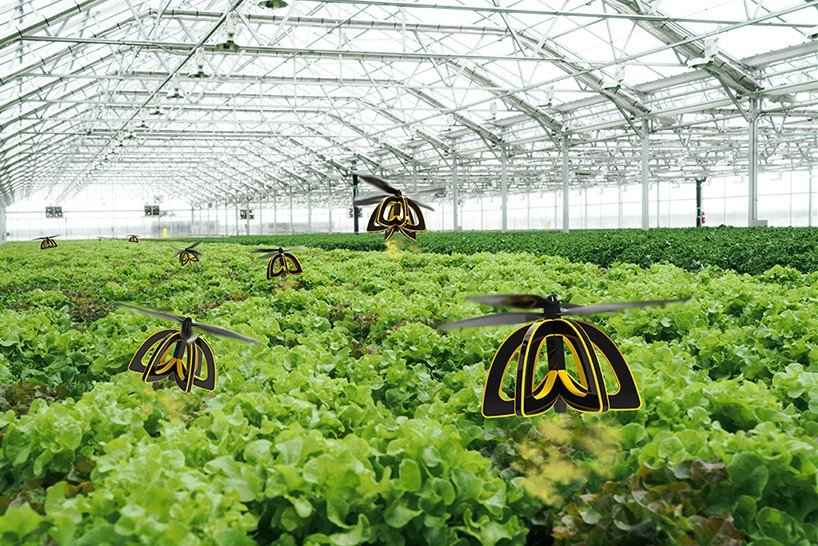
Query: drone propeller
column 190, row 249
column 215, row 330
column 47, row 237
column 551, row 306
column 270, row 252
column 381, row 184
column 388, row 189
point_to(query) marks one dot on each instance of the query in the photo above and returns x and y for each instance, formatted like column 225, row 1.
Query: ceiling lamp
column 272, row 4
column 230, row 29
column 199, row 56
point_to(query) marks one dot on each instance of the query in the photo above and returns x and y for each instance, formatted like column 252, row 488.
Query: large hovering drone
column 189, row 254
column 133, row 239
column 47, row 241
column 395, row 212
column 558, row 388
column 282, row 262
column 179, row 353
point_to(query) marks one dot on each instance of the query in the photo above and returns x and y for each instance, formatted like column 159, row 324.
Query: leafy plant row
column 745, row 250
column 355, row 421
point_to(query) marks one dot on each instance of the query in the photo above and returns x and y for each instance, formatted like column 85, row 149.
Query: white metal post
column 292, row 226
column 454, row 192
column 565, row 200
column 309, row 210
column 2, row 222
column 275, row 212
column 504, row 186
column 809, row 202
column 247, row 217
column 260, row 223
column 752, row 178
column 329, row 204
column 645, row 175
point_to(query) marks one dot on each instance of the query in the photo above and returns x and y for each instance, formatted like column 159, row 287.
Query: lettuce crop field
column 356, row 422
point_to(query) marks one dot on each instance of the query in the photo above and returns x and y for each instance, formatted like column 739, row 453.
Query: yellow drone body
column 47, row 242
column 559, row 388
column 283, row 264
column 397, row 213
column 170, row 356
column 187, row 256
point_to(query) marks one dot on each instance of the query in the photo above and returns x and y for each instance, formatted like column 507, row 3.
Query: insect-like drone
column 189, row 254
column 133, row 239
column 47, row 242
column 558, row 388
column 179, row 353
column 282, row 262
column 395, row 212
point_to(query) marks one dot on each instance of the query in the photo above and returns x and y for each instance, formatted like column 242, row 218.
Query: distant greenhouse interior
column 530, row 115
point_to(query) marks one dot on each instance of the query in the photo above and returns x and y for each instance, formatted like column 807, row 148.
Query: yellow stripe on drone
column 520, row 390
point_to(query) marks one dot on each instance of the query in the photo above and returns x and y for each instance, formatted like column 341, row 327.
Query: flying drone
column 133, row 239
column 395, row 212
column 47, row 242
column 179, row 353
column 282, row 262
column 189, row 254
column 558, row 388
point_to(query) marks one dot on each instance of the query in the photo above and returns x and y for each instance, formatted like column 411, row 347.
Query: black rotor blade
column 53, row 236
column 301, row 247
column 616, row 306
column 194, row 245
column 521, row 301
column 498, row 319
column 265, row 250
column 223, row 332
column 268, row 255
column 152, row 312
column 368, row 200
column 382, row 185
column 422, row 204
column 430, row 190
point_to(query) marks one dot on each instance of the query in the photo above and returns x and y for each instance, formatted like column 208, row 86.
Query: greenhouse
column 393, row 272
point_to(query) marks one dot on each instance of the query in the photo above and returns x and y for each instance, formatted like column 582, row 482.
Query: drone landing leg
column 556, row 361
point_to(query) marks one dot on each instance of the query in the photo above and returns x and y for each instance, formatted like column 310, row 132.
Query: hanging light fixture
column 175, row 94
column 199, row 57
column 230, row 28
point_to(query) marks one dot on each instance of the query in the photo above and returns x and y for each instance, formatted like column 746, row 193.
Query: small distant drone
column 179, row 353
column 282, row 262
column 395, row 212
column 133, row 239
column 189, row 254
column 558, row 388
column 47, row 242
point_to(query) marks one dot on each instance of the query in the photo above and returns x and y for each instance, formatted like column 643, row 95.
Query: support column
column 619, row 206
column 192, row 219
column 247, row 218
column 565, row 189
column 645, row 175
column 809, row 203
column 752, row 174
column 699, row 182
column 329, row 204
column 309, row 210
column 355, row 209
column 226, row 233
column 504, row 186
column 292, row 226
column 2, row 222
column 454, row 192
column 275, row 212
column 260, row 223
